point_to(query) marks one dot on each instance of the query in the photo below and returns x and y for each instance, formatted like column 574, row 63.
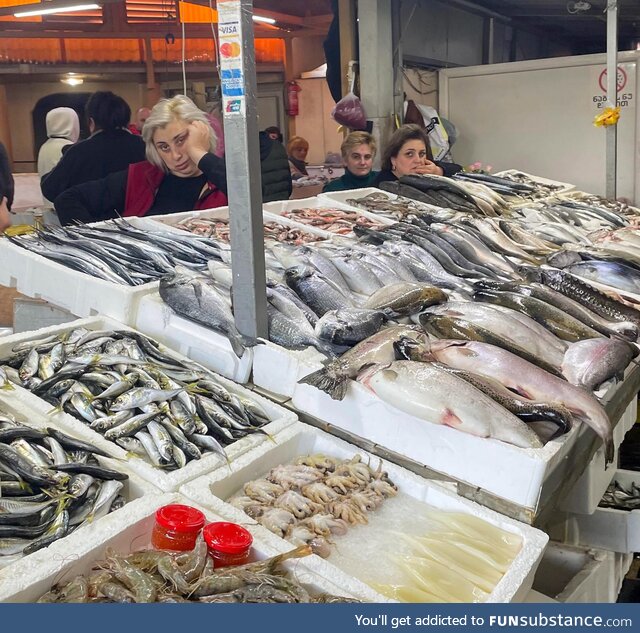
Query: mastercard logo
column 230, row 49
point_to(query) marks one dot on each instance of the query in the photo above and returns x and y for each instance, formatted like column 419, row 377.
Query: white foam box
column 199, row 343
column 300, row 439
column 511, row 473
column 580, row 575
column 588, row 490
column 324, row 201
column 165, row 481
column 336, row 198
column 126, row 533
column 565, row 187
column 220, row 213
column 607, row 528
column 82, row 295
column 134, row 490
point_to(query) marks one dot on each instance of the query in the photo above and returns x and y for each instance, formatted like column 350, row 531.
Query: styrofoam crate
column 166, row 481
column 82, row 295
column 300, row 439
column 128, row 533
column 580, row 575
column 197, row 342
column 334, row 198
column 565, row 187
column 173, row 219
column 607, row 528
column 134, row 489
column 588, row 490
column 507, row 471
column 323, row 201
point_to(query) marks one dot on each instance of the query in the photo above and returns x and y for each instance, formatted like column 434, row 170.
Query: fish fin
column 55, row 410
column 449, row 418
column 328, row 380
column 468, row 352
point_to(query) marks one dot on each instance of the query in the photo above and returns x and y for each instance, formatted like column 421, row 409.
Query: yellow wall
column 23, row 97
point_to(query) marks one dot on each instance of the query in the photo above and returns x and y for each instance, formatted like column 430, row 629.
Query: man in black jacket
column 6, row 177
column 110, row 148
column 274, row 166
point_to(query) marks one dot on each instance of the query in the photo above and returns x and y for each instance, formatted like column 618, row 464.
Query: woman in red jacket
column 181, row 172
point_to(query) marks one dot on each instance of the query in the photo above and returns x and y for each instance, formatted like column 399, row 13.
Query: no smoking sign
column 621, row 80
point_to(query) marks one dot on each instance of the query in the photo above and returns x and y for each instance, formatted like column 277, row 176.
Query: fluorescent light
column 61, row 9
column 72, row 81
column 260, row 18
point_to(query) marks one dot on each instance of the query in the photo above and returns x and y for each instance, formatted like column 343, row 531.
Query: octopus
column 325, row 525
column 276, row 520
column 245, row 504
column 341, row 483
column 366, row 501
column 347, row 511
column 355, row 469
column 298, row 505
column 294, row 476
column 263, row 490
column 384, row 488
column 321, row 462
column 319, row 492
column 300, row 534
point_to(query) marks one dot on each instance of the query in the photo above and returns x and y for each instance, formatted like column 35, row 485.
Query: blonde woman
column 297, row 150
column 358, row 151
column 181, row 172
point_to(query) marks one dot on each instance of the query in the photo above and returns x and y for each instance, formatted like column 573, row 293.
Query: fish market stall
column 237, row 419
column 349, row 507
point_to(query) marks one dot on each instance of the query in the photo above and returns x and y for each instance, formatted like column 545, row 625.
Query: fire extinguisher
column 293, row 108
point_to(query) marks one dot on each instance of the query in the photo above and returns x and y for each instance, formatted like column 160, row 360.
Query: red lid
column 228, row 538
column 180, row 518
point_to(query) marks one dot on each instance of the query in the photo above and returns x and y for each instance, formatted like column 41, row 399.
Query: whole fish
column 523, row 378
column 592, row 362
column 334, row 377
column 320, row 294
column 290, row 334
column 196, row 299
column 349, row 326
column 429, row 393
column 404, row 298
column 606, row 273
column 583, row 293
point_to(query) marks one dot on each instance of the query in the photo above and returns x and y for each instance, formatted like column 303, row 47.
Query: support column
column 240, row 108
column 376, row 67
column 612, row 97
column 5, row 127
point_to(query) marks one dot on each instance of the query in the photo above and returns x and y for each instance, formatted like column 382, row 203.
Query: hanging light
column 260, row 18
column 59, row 8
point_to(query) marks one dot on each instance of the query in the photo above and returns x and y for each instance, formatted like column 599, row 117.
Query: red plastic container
column 228, row 543
column 177, row 527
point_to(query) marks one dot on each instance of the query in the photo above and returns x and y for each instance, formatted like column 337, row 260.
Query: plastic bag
column 350, row 113
column 438, row 137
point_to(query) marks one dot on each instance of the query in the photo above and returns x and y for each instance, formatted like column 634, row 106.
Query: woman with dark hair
column 407, row 153
column 181, row 172
column 110, row 148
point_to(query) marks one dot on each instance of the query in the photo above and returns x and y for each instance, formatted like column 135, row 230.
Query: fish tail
column 55, row 410
column 237, row 342
column 328, row 380
column 8, row 386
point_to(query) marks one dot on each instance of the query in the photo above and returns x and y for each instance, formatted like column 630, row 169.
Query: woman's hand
column 5, row 218
column 429, row 168
column 197, row 143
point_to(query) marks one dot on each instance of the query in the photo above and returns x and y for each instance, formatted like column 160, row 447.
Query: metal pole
column 612, row 96
column 240, row 108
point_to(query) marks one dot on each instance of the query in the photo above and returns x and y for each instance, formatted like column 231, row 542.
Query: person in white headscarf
column 63, row 128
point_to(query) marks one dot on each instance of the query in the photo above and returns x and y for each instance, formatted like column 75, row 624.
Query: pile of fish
column 219, row 229
column 314, row 498
column 137, row 394
column 621, row 497
column 160, row 576
column 118, row 252
column 462, row 560
column 50, row 485
column 514, row 184
column 392, row 208
column 338, row 221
